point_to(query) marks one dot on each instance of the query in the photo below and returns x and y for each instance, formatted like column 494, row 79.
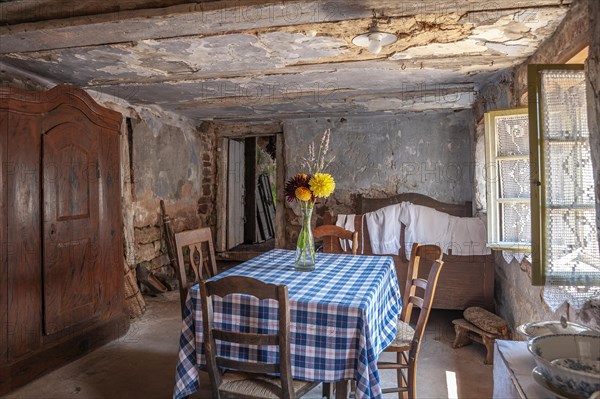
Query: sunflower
column 322, row 185
column 295, row 182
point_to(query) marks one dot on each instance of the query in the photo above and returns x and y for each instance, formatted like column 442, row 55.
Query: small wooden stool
column 481, row 326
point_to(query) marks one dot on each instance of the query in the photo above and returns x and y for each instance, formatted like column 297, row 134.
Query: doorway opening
column 251, row 196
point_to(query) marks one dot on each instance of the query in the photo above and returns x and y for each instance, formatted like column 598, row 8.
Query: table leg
column 342, row 389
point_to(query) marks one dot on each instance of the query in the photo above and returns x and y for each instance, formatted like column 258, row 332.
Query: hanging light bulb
column 374, row 40
column 375, row 45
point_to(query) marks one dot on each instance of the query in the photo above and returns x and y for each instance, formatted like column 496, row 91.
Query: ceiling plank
column 218, row 17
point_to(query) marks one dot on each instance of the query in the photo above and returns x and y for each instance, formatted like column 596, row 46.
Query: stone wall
column 495, row 94
column 516, row 299
column 172, row 161
column 423, row 152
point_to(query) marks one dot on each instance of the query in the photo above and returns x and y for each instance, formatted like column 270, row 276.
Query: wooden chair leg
column 462, row 337
column 342, row 389
column 328, row 390
column 402, row 375
column 412, row 380
column 489, row 346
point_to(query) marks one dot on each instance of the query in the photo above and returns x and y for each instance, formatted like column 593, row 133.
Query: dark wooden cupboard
column 61, row 273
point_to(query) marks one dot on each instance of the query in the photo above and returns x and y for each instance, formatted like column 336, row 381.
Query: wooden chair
column 329, row 230
column 253, row 381
column 202, row 259
column 408, row 339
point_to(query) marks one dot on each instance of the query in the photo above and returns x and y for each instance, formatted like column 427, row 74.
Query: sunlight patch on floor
column 451, row 385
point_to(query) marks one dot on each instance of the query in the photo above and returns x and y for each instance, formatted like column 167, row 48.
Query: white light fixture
column 374, row 40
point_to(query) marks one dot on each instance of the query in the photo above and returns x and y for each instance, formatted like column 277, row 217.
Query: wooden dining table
column 343, row 315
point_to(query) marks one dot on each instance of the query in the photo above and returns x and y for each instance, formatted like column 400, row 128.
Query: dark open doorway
column 251, row 194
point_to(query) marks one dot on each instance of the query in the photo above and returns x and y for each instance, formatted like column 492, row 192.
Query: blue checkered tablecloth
column 343, row 314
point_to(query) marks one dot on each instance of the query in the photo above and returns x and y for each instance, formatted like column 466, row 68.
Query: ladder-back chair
column 249, row 379
column 419, row 293
column 201, row 258
column 329, row 230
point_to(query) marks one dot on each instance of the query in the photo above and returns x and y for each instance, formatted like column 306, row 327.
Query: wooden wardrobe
column 61, row 273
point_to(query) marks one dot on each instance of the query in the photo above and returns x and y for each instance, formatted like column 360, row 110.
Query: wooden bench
column 481, row 326
column 464, row 281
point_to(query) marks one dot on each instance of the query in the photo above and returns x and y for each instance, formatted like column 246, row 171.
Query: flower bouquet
column 307, row 188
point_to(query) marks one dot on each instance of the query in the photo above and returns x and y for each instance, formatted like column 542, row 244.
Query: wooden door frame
column 224, row 134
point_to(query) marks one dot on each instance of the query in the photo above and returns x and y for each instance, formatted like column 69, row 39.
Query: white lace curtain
column 571, row 251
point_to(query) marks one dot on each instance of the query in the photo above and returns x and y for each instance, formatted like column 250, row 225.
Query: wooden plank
column 222, row 195
column 268, row 200
column 24, row 257
column 280, row 220
column 111, row 280
column 107, row 10
column 250, row 198
column 23, row 371
column 265, row 208
column 261, row 220
column 169, row 237
column 372, row 204
column 246, row 129
column 235, row 179
column 3, row 239
column 42, row 10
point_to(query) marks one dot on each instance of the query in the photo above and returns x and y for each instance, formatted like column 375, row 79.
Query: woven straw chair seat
column 404, row 337
column 258, row 386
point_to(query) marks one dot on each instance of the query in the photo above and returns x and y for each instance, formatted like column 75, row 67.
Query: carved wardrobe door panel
column 70, row 223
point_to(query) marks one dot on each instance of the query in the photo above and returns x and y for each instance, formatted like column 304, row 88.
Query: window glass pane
column 514, row 178
column 516, row 222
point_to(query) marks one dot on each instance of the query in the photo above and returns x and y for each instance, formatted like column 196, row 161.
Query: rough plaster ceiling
column 261, row 60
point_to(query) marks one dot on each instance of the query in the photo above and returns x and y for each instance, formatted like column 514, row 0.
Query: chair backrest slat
column 416, row 301
column 420, row 282
column 248, row 367
column 245, row 285
column 330, row 230
column 246, row 338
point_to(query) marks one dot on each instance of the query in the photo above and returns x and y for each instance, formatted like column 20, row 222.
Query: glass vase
column 305, row 246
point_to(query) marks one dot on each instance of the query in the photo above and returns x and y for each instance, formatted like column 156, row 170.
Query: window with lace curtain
column 508, row 187
column 540, row 186
column 565, row 250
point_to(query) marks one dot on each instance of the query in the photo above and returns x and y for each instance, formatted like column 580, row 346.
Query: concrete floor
column 142, row 363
